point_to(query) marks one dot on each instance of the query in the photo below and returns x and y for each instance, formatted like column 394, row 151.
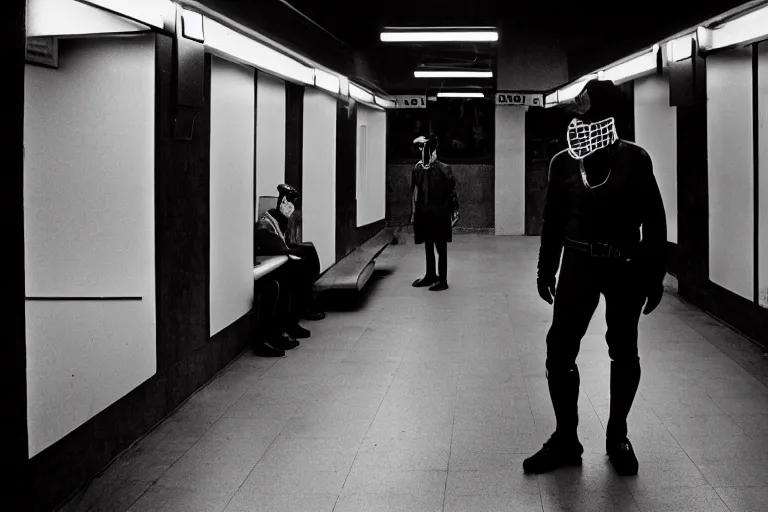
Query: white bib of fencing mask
column 286, row 208
column 586, row 138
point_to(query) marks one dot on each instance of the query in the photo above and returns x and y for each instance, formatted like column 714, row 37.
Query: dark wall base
column 743, row 315
column 673, row 259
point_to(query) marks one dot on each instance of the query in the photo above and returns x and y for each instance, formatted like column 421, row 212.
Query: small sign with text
column 519, row 99
column 410, row 101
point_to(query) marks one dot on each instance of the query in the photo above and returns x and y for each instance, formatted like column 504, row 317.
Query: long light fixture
column 680, row 48
column 439, row 35
column 384, row 102
column 453, row 74
column 150, row 12
column 327, row 81
column 631, row 68
column 360, row 94
column 572, row 90
column 460, row 95
column 744, row 29
column 222, row 39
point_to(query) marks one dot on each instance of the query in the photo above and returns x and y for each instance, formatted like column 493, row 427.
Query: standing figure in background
column 601, row 192
column 435, row 210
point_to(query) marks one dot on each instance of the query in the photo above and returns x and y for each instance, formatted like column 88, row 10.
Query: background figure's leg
column 576, row 299
column 429, row 250
column 623, row 305
column 442, row 261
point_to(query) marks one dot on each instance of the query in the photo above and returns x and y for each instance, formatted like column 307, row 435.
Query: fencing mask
column 593, row 126
column 428, row 147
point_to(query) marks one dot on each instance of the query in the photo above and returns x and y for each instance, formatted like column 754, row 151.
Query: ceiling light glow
column 453, row 74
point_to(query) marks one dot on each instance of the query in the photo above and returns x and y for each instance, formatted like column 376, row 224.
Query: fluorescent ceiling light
column 746, row 28
column 150, row 12
column 435, row 36
column 680, row 48
column 384, row 103
column 327, row 81
column 460, row 95
column 453, row 74
column 221, row 39
column 62, row 18
column 632, row 68
column 359, row 94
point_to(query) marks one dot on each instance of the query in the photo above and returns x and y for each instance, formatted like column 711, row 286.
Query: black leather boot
column 425, row 281
column 563, row 448
column 625, row 379
column 267, row 350
column 439, row 286
column 298, row 332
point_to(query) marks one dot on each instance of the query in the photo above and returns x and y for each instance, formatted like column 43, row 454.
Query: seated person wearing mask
column 298, row 275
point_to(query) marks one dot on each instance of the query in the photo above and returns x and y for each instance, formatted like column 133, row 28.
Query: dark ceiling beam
column 294, row 9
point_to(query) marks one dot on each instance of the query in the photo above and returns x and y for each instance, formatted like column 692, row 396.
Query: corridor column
column 688, row 92
column 14, row 378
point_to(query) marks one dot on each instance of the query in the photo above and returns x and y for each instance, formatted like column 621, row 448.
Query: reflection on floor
column 423, row 401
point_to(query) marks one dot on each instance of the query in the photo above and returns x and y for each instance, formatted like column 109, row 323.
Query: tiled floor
column 427, row 402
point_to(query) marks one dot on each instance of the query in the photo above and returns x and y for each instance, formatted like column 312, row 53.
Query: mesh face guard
column 428, row 147
column 586, row 138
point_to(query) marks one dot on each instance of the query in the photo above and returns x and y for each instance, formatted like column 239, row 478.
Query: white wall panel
column 371, row 165
column 270, row 134
column 232, row 204
column 319, row 175
column 89, row 136
column 762, row 223
column 656, row 132
column 731, row 171
column 510, row 171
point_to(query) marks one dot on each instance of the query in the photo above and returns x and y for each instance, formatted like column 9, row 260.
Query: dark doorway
column 544, row 138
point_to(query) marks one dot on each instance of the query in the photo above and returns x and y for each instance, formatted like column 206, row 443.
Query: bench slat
column 354, row 270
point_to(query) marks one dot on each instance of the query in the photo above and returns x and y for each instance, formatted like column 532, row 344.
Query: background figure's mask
column 428, row 147
column 287, row 196
column 286, row 208
column 594, row 124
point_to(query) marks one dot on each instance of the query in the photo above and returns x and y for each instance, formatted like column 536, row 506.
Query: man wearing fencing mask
column 435, row 210
column 601, row 193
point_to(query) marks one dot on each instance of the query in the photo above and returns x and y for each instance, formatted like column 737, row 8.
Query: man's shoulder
column 446, row 168
column 561, row 159
column 635, row 150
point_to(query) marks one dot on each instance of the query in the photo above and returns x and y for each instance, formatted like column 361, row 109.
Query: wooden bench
column 354, row 270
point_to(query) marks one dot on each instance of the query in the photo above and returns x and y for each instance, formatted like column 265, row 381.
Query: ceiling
column 591, row 34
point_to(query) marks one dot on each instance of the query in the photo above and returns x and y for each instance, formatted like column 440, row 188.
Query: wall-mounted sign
column 410, row 101
column 43, row 51
column 519, row 99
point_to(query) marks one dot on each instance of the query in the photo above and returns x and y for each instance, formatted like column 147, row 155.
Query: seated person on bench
column 302, row 270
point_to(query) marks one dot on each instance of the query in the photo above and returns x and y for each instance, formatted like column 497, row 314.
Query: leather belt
column 598, row 249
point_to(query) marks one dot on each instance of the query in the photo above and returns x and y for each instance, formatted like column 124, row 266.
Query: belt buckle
column 603, row 253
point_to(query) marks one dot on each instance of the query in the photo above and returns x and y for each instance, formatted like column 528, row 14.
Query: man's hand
column 454, row 218
column 653, row 298
column 547, row 287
